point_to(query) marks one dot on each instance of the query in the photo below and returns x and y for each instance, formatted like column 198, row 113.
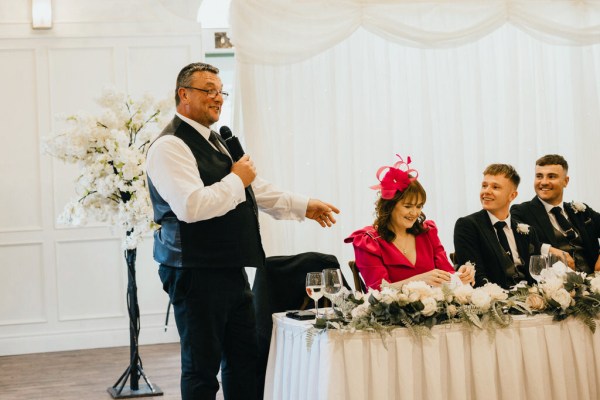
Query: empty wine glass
column 333, row 283
column 536, row 265
column 314, row 288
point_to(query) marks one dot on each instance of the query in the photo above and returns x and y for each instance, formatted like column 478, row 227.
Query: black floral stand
column 134, row 371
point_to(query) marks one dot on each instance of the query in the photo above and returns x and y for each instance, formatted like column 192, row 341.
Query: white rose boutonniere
column 523, row 228
column 578, row 207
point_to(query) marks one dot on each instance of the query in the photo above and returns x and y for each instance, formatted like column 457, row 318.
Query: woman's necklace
column 404, row 244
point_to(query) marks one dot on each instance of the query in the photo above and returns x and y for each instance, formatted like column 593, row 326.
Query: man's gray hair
column 185, row 75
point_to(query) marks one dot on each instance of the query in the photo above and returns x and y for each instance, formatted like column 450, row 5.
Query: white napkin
column 558, row 269
column 455, row 281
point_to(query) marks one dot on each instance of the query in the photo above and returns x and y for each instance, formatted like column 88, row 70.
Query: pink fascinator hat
column 397, row 178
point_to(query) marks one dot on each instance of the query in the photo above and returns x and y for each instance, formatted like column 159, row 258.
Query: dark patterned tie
column 215, row 141
column 499, row 226
column 564, row 223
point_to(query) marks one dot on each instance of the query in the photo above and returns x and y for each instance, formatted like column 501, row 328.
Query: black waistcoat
column 229, row 241
column 575, row 248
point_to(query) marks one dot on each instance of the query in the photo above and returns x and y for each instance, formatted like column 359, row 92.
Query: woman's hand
column 434, row 277
column 467, row 274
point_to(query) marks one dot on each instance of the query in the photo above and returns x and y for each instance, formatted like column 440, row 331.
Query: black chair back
column 281, row 286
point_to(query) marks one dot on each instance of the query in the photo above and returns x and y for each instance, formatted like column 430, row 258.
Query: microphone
column 232, row 142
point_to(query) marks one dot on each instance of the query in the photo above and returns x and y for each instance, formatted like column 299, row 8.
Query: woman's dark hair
column 384, row 208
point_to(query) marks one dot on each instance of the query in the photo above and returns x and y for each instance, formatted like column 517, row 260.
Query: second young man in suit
column 571, row 228
column 496, row 243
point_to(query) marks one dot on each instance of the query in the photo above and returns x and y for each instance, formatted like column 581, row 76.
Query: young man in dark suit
column 572, row 228
column 496, row 243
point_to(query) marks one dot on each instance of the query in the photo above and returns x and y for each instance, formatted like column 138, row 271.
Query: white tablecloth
column 533, row 359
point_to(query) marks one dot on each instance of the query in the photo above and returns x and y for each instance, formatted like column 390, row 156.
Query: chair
column 359, row 284
column 453, row 259
column 280, row 286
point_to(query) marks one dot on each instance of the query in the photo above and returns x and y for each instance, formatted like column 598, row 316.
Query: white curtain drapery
column 284, row 31
column 331, row 91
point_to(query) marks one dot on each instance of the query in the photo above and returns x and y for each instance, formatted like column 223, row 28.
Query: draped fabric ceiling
column 329, row 91
column 282, row 32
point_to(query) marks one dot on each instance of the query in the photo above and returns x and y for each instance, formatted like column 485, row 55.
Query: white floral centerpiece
column 418, row 306
column 110, row 151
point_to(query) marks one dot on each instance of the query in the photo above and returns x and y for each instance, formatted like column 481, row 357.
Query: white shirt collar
column 549, row 206
column 203, row 130
column 494, row 219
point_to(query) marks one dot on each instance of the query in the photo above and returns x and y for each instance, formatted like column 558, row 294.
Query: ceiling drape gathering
column 332, row 90
column 283, row 31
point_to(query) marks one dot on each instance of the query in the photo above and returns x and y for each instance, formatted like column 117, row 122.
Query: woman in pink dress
column 401, row 245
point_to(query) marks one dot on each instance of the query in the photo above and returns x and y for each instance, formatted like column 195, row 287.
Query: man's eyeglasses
column 211, row 93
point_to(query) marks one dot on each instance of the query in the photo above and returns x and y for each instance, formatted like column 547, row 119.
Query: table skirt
column 533, row 359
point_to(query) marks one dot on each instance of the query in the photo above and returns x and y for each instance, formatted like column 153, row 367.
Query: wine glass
column 536, row 265
column 558, row 263
column 314, row 288
column 333, row 283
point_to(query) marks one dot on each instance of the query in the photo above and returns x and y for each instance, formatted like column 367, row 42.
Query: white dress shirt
column 510, row 236
column 173, row 170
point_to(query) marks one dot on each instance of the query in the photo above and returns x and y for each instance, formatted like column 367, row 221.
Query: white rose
column 387, row 299
column 375, row 293
column 389, row 294
column 551, row 285
column 462, row 294
column 437, row 294
column 419, row 287
column 523, row 228
column 480, row 298
column 452, row 310
column 360, row 311
column 402, row 298
column 562, row 297
column 495, row 291
column 414, row 296
column 430, row 306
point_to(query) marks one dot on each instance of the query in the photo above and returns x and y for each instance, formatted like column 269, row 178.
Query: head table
column 534, row 358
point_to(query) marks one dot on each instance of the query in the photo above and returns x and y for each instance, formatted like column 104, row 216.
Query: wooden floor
column 86, row 374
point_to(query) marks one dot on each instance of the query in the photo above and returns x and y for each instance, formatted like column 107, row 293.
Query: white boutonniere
column 523, row 228
column 578, row 207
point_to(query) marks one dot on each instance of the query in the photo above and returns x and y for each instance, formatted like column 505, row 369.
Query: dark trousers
column 215, row 319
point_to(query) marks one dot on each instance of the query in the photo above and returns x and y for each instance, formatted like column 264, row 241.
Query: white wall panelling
column 22, row 287
column 65, row 288
column 19, row 103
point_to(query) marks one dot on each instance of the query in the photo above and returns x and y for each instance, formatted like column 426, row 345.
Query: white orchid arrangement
column 110, row 151
column 578, row 207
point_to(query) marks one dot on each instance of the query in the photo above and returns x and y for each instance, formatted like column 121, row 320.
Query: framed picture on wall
column 217, row 41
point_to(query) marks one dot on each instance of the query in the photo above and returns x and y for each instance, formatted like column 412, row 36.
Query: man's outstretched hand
column 321, row 212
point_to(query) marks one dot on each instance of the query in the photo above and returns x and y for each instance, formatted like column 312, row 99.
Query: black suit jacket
column 475, row 240
column 586, row 222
